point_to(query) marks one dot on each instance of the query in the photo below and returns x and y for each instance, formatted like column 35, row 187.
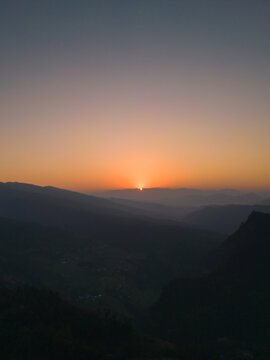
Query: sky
column 135, row 93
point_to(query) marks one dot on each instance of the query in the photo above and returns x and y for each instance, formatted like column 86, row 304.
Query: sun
column 140, row 187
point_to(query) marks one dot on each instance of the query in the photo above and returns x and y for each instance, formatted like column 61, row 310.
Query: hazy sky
column 114, row 94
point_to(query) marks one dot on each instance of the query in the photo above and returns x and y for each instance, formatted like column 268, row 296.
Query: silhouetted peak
column 250, row 240
column 253, row 232
column 259, row 218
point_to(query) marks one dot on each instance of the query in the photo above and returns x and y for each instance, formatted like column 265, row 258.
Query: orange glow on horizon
column 73, row 145
column 160, row 112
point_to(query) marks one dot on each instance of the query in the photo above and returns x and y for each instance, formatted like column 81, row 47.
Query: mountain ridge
column 225, row 219
column 185, row 196
column 229, row 300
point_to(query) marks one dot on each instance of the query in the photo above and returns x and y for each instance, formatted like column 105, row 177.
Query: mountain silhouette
column 224, row 219
column 232, row 301
column 184, row 197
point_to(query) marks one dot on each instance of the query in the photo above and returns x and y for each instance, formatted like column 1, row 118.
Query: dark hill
column 56, row 207
column 37, row 324
column 72, row 211
column 224, row 219
column 246, row 252
column 232, row 301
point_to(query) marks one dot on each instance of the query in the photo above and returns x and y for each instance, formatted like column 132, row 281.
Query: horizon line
column 95, row 190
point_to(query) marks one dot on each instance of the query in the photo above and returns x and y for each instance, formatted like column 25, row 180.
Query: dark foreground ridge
column 37, row 324
column 231, row 302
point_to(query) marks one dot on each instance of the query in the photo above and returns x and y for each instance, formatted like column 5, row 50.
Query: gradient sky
column 118, row 94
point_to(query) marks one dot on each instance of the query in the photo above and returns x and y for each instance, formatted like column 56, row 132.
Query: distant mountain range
column 231, row 301
column 185, row 197
column 156, row 210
